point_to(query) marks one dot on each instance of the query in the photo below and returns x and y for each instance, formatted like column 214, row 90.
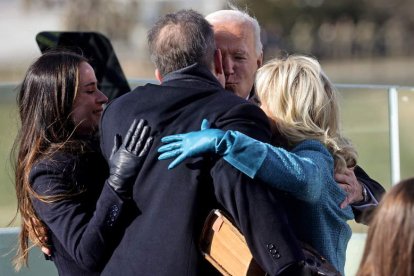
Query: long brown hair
column 45, row 102
column 389, row 249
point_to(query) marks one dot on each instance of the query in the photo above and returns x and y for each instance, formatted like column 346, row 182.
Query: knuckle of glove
column 124, row 164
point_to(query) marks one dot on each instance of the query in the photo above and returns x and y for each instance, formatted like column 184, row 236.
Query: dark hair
column 45, row 102
column 180, row 39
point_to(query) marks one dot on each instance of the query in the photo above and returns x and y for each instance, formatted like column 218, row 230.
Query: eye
column 90, row 89
column 239, row 57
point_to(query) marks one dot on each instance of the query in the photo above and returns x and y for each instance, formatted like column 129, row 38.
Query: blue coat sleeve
column 83, row 228
column 268, row 235
column 298, row 172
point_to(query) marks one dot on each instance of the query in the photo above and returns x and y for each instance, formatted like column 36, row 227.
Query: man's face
column 240, row 60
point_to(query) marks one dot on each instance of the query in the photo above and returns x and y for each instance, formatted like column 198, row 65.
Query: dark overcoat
column 85, row 224
column 173, row 204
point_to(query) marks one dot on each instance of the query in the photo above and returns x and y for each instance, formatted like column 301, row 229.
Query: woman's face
column 89, row 101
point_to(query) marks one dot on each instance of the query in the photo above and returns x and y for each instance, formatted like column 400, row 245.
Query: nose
column 101, row 98
column 228, row 66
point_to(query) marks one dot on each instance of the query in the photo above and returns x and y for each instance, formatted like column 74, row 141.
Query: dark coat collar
column 193, row 72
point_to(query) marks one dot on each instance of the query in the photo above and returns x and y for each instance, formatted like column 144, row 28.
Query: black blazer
column 364, row 214
column 173, row 204
column 83, row 227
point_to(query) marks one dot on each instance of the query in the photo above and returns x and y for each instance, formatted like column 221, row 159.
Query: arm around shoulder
column 255, row 208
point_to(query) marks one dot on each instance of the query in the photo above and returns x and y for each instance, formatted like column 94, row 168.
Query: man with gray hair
column 237, row 36
column 163, row 237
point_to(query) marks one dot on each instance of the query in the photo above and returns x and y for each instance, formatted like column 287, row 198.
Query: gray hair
column 237, row 15
column 180, row 39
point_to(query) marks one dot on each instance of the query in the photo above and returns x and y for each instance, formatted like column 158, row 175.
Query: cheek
column 247, row 70
column 247, row 74
column 77, row 115
column 253, row 69
column 81, row 111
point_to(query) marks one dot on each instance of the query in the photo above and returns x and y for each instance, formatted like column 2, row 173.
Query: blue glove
column 191, row 144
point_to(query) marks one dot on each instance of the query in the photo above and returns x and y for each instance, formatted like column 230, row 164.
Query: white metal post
column 394, row 135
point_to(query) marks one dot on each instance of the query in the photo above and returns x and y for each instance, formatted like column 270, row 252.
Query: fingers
column 131, row 130
column 116, row 145
column 137, row 140
column 177, row 162
column 46, row 251
column 172, row 138
column 345, row 203
column 134, row 134
column 170, row 154
column 350, row 195
column 349, row 183
column 169, row 147
column 147, row 146
column 41, row 232
column 346, row 189
column 142, row 137
column 346, row 176
column 342, row 178
column 205, row 124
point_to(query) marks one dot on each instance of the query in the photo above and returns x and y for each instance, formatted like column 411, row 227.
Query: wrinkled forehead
column 231, row 32
column 237, row 28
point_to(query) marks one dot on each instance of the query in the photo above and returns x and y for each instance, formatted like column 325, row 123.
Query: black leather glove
column 127, row 157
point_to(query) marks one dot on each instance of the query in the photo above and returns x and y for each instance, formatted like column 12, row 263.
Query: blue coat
column 306, row 174
column 173, row 204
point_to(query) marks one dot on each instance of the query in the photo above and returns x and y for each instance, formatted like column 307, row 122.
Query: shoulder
column 312, row 146
column 316, row 151
column 243, row 116
column 128, row 97
column 59, row 161
column 49, row 173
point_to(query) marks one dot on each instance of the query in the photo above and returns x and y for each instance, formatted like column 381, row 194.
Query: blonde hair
column 389, row 248
column 302, row 102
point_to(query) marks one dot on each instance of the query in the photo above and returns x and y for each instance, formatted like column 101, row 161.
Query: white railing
column 8, row 236
column 393, row 117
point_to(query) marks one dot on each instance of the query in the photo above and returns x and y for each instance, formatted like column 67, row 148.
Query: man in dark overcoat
column 163, row 238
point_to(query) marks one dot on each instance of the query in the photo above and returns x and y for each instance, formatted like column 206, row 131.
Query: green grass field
column 8, row 128
column 365, row 121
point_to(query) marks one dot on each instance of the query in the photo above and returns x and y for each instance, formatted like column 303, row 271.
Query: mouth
column 230, row 86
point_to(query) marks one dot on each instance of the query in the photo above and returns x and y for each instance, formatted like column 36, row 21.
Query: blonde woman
column 302, row 106
column 389, row 249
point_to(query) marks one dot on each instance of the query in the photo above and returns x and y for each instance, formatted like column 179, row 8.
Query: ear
column 260, row 60
column 158, row 75
column 218, row 67
column 218, row 62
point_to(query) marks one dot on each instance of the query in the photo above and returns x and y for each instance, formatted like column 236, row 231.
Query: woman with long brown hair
column 63, row 184
column 389, row 248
